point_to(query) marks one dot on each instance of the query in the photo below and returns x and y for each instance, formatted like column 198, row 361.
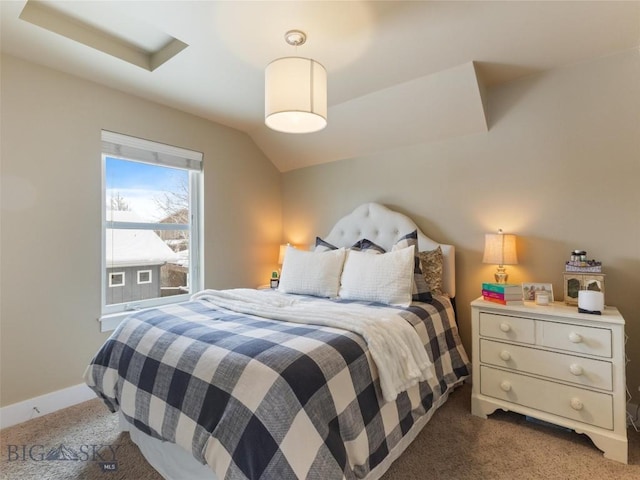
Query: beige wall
column 560, row 167
column 50, row 223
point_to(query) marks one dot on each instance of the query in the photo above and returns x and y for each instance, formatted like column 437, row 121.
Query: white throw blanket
column 395, row 346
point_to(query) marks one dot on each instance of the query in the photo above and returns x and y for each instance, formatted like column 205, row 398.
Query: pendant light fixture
column 295, row 92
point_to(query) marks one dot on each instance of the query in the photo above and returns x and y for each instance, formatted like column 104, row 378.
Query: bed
column 326, row 378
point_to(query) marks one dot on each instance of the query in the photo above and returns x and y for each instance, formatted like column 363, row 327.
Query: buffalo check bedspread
column 256, row 398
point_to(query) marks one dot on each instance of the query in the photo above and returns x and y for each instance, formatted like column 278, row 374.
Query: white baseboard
column 49, row 403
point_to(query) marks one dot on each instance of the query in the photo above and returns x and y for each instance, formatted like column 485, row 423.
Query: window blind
column 132, row 148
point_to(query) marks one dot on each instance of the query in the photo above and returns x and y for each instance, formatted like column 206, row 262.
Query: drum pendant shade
column 295, row 95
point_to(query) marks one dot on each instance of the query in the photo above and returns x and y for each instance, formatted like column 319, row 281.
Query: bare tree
column 174, row 205
column 118, row 203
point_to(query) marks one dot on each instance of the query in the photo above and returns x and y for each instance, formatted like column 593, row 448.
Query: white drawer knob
column 575, row 337
column 506, row 386
column 576, row 404
column 505, row 327
column 504, row 355
column 576, row 369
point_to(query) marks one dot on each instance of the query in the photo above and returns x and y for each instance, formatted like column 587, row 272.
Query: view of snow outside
column 145, row 188
column 144, row 193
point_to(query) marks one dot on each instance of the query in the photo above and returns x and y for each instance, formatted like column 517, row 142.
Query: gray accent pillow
column 421, row 291
column 360, row 245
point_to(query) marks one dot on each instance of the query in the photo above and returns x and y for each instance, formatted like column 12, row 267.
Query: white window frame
column 124, row 147
column 113, row 274
column 143, row 282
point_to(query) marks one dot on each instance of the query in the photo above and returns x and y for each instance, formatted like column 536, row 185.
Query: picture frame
column 529, row 291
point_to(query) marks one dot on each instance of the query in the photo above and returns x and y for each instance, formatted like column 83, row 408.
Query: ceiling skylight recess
column 105, row 27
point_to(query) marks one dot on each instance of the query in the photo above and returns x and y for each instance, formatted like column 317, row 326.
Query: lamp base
column 501, row 275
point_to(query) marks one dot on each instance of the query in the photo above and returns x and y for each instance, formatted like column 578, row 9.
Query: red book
column 503, row 302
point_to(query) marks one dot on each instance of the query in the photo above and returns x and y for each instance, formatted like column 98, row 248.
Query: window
column 116, row 279
column 151, row 224
column 144, row 276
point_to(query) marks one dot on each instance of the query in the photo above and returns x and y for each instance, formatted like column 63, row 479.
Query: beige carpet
column 453, row 446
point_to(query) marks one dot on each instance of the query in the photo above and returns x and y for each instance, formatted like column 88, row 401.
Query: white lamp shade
column 500, row 249
column 295, row 92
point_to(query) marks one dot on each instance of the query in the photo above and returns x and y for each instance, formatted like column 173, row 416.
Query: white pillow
column 312, row 273
column 385, row 278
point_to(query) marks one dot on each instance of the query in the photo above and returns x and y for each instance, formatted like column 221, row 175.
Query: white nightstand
column 554, row 364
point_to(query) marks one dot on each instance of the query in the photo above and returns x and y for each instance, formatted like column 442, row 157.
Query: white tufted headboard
column 384, row 227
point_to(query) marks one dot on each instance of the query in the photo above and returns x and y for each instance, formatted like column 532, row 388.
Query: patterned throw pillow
column 421, row 291
column 431, row 264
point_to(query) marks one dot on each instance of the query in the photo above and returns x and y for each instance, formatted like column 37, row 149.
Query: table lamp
column 500, row 250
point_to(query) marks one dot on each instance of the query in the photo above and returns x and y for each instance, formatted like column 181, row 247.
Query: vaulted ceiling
column 399, row 72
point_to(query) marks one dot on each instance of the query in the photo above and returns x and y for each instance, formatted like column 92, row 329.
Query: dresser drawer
column 576, row 338
column 564, row 367
column 565, row 401
column 506, row 327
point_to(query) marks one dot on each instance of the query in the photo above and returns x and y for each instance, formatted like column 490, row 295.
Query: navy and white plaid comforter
column 262, row 399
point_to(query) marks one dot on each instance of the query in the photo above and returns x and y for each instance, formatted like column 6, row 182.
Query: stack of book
column 503, row 293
